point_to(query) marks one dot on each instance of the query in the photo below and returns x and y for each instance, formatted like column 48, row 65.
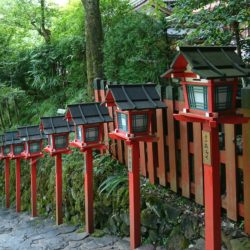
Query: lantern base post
column 33, row 186
column 7, row 182
column 88, row 187
column 18, row 185
column 59, row 217
column 210, row 138
column 134, row 194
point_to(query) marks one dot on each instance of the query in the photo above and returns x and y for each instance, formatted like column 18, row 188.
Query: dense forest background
column 43, row 49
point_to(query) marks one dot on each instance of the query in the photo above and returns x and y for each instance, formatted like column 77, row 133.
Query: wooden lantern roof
column 12, row 137
column 88, row 113
column 134, row 97
column 56, row 125
column 30, row 133
column 207, row 63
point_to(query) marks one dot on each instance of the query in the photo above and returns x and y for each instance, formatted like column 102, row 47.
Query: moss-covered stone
column 177, row 240
column 148, row 219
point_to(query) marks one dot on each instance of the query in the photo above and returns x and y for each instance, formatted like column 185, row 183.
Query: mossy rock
column 190, row 226
column 176, row 240
column 148, row 219
column 98, row 233
column 240, row 244
column 112, row 225
column 124, row 216
column 124, row 229
column 153, row 236
column 172, row 213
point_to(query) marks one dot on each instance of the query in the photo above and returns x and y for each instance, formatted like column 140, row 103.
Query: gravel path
column 20, row 231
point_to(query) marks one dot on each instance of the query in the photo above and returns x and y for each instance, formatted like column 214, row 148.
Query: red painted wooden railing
column 176, row 159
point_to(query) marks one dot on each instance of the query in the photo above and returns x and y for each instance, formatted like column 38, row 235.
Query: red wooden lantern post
column 57, row 130
column 89, row 119
column 4, row 151
column 209, row 77
column 16, row 148
column 32, row 138
column 135, row 107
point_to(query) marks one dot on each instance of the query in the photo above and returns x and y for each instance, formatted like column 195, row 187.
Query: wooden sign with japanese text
column 206, row 147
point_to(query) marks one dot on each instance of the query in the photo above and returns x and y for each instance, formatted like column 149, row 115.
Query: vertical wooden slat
column 103, row 96
column 198, row 168
column 185, row 173
column 150, row 163
column 161, row 148
column 96, row 90
column 143, row 159
column 171, row 145
column 246, row 171
column 111, row 126
column 119, row 151
column 231, row 172
column 126, row 154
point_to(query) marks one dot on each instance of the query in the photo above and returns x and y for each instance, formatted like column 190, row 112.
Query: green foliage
column 211, row 27
column 136, row 50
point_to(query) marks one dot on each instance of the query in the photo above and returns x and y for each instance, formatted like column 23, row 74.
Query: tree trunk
column 94, row 42
column 44, row 32
column 236, row 31
column 41, row 27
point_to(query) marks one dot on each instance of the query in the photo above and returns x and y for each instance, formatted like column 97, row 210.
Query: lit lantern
column 57, row 130
column 209, row 77
column 89, row 119
column 135, row 109
column 15, row 146
column 32, row 138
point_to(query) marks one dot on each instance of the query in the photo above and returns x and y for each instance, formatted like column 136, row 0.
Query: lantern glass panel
column 140, row 123
column 122, row 121
column 79, row 133
column 92, row 134
column 6, row 150
column 223, row 97
column 35, row 147
column 197, row 97
column 61, row 141
column 18, row 149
